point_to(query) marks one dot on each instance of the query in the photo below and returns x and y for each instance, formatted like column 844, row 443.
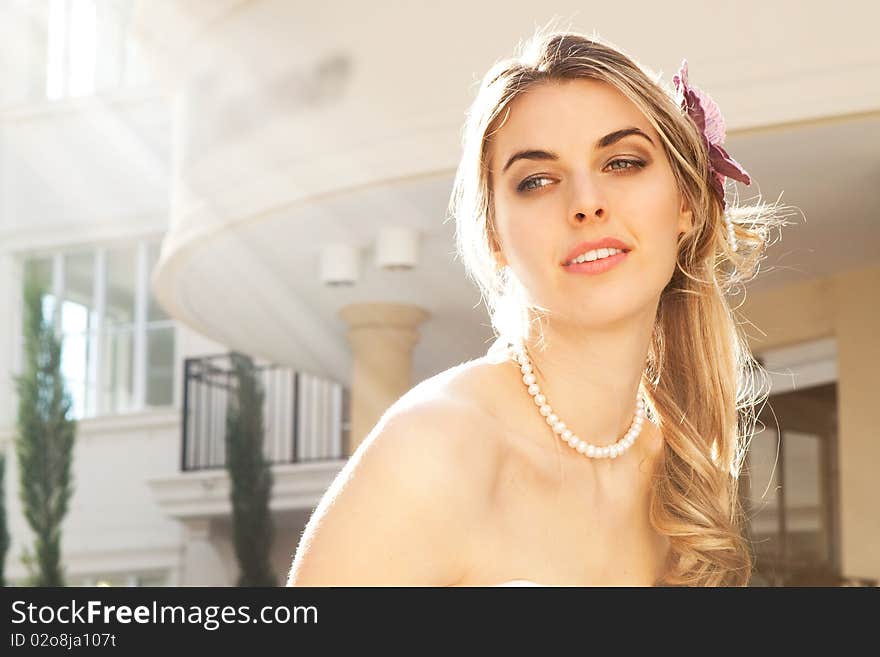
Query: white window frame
column 117, row 64
column 141, row 325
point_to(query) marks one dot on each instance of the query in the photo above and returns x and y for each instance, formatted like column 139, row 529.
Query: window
column 90, row 49
column 78, row 329
column 160, row 345
column 117, row 343
column 790, row 489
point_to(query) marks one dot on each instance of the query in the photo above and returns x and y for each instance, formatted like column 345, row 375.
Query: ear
column 497, row 253
column 500, row 260
column 685, row 217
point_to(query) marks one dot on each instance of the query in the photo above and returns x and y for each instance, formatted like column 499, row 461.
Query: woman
column 590, row 211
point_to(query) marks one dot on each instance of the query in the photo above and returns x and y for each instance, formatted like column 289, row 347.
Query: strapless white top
column 519, row 582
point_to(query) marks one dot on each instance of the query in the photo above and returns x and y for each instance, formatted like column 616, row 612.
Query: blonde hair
column 700, row 375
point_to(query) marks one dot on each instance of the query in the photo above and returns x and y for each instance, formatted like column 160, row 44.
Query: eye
column 526, row 185
column 632, row 164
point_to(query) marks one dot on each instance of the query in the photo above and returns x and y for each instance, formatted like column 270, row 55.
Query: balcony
column 305, row 417
column 306, row 437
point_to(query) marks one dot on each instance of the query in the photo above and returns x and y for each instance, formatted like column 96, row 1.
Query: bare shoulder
column 403, row 507
column 450, row 416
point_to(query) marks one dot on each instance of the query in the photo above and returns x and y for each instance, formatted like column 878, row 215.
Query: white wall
column 23, row 32
column 113, row 524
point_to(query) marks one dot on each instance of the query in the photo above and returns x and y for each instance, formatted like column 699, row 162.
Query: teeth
column 596, row 254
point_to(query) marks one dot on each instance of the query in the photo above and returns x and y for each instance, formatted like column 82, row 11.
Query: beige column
column 382, row 337
column 857, row 324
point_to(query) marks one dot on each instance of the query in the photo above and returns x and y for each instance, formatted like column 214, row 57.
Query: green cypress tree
column 44, row 439
column 250, row 476
column 4, row 531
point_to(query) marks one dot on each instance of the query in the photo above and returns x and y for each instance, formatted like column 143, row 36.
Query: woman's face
column 577, row 191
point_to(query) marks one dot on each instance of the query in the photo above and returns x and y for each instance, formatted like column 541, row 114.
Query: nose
column 587, row 201
column 581, row 216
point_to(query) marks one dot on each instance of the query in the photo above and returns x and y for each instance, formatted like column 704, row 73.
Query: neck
column 590, row 375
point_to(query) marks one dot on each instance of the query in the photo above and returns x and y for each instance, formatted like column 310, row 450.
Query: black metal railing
column 305, row 417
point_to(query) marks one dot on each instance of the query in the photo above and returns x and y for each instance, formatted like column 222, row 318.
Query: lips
column 604, row 243
column 596, row 266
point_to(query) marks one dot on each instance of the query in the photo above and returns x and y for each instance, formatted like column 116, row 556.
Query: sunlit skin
column 598, row 327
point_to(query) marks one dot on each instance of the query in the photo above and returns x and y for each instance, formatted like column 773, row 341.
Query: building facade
column 191, row 179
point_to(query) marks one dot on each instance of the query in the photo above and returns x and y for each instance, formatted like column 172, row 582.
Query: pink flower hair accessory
column 706, row 115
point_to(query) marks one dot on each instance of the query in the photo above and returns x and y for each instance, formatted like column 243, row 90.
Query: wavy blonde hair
column 700, row 376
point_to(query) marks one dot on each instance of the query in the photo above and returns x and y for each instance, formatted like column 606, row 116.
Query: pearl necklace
column 558, row 426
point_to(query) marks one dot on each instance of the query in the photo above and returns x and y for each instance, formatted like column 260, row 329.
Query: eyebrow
column 604, row 142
